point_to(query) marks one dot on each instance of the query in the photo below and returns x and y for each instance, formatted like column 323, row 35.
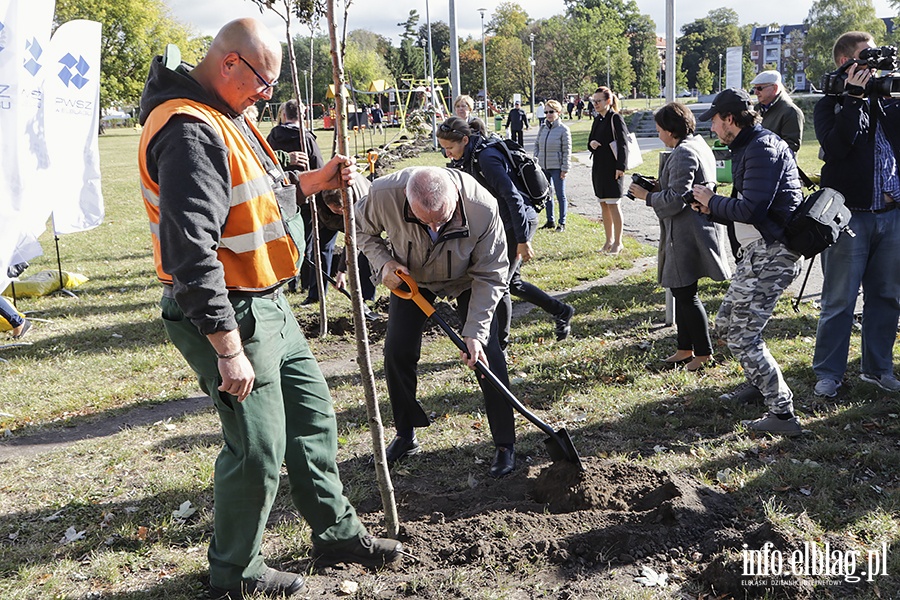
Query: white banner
column 24, row 34
column 71, row 94
column 734, row 67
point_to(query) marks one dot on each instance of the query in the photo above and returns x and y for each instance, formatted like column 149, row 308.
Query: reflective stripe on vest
column 254, row 248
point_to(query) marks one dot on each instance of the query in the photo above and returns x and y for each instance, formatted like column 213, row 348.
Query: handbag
column 634, row 151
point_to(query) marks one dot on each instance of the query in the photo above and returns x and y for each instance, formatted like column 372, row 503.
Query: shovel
column 559, row 444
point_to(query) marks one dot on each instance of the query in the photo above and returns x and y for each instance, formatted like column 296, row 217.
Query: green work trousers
column 288, row 417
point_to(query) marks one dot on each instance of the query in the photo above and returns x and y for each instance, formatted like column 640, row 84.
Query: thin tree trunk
column 385, row 485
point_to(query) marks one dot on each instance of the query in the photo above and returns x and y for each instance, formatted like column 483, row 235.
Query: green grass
column 106, row 352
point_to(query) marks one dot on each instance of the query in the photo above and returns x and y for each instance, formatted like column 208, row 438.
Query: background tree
column 508, row 68
column 440, row 42
column 509, row 20
column 641, row 35
column 705, row 79
column 827, row 20
column 470, row 76
column 706, row 38
column 132, row 33
column 362, row 61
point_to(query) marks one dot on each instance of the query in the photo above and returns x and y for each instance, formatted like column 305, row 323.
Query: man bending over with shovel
column 443, row 229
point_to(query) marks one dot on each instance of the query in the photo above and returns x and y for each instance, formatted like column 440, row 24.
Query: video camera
column 880, row 59
column 645, row 182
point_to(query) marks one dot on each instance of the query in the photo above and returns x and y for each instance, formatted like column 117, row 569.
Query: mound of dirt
column 594, row 525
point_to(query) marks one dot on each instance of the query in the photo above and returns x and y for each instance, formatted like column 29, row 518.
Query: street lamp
column 607, row 66
column 484, row 63
column 720, row 71
column 531, row 36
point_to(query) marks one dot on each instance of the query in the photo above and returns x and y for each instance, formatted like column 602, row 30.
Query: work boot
column 772, row 423
column 363, row 549
column 272, row 584
column 563, row 327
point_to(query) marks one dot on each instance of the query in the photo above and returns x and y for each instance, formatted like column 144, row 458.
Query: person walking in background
column 690, row 245
column 491, row 169
column 515, row 122
column 608, row 168
column 464, row 107
column 539, row 113
column 377, row 116
column 553, row 149
column 579, row 107
column 779, row 113
column 444, row 230
column 860, row 138
column 224, row 224
column 766, row 193
column 570, row 106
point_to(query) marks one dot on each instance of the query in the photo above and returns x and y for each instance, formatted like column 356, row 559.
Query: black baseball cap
column 729, row 101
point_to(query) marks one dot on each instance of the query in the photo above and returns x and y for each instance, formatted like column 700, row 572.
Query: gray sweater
column 553, row 146
column 690, row 245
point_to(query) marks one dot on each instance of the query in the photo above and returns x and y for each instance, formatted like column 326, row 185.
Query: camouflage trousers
column 763, row 272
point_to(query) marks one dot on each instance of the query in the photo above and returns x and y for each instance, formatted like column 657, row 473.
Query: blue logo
column 76, row 78
column 1, row 29
column 34, row 48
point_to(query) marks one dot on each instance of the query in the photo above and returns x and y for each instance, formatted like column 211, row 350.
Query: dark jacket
column 605, row 129
column 766, row 183
column 190, row 162
column 517, row 119
column 784, row 119
column 287, row 138
column 493, row 171
column 843, row 129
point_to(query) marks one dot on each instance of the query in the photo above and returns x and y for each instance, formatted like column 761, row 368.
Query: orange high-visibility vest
column 255, row 249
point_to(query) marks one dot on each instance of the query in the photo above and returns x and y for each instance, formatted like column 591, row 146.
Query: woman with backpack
column 552, row 149
column 484, row 161
column 608, row 170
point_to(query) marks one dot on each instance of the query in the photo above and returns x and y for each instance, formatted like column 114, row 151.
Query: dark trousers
column 691, row 321
column 402, row 350
column 517, row 136
column 522, row 289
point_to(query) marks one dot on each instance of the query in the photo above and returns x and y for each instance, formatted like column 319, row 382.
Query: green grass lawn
column 105, row 352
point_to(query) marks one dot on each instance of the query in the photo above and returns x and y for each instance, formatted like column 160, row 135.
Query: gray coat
column 553, row 146
column 690, row 245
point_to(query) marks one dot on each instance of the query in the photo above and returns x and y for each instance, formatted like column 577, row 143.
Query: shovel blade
column 560, row 447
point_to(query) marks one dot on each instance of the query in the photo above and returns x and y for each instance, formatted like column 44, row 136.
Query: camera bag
column 528, row 176
column 817, row 222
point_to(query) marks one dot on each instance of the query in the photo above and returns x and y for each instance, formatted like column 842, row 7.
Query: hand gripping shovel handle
column 559, row 445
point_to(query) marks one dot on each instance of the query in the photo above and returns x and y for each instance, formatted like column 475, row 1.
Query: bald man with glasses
column 227, row 236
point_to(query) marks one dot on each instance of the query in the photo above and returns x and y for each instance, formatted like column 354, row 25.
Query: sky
column 207, row 16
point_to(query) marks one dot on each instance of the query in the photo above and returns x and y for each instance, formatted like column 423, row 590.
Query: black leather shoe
column 273, row 584
column 504, row 462
column 548, row 225
column 400, row 447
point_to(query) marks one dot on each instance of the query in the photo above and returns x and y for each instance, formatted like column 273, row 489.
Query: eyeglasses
column 760, row 88
column 267, row 85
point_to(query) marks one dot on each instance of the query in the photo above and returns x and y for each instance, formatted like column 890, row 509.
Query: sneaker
column 561, row 227
column 563, row 326
column 746, row 393
column 827, row 388
column 770, row 423
column 548, row 225
column 887, row 382
column 272, row 584
column 363, row 549
column 19, row 332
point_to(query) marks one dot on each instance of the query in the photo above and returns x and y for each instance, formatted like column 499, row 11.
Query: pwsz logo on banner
column 74, row 75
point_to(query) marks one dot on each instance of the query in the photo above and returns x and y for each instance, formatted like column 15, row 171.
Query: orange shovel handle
column 413, row 293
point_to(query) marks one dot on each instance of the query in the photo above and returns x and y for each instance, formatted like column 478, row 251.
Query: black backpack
column 817, row 222
column 528, row 176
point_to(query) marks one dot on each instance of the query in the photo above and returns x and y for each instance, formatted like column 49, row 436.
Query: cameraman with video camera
column 857, row 124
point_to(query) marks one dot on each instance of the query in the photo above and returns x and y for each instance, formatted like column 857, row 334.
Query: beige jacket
column 469, row 253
